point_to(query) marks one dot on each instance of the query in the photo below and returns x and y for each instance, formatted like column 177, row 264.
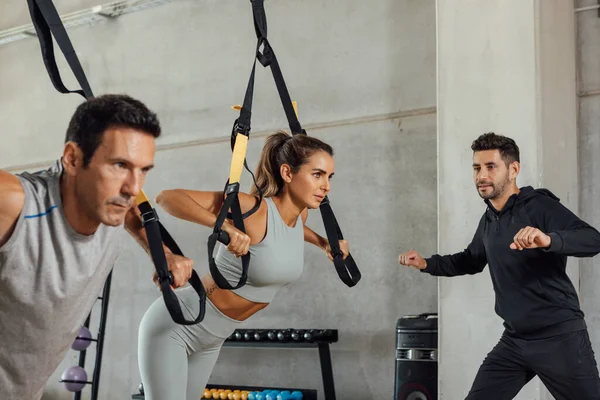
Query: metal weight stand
column 244, row 338
column 95, row 382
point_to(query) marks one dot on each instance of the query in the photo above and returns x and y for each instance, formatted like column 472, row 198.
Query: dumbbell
column 286, row 395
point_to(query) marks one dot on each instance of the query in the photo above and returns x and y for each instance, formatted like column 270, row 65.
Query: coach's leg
column 567, row 366
column 502, row 374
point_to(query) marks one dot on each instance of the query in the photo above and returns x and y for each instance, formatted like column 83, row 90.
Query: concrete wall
column 588, row 60
column 356, row 70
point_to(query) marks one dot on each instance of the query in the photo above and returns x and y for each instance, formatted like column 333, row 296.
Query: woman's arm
column 191, row 205
column 203, row 207
column 198, row 206
column 311, row 236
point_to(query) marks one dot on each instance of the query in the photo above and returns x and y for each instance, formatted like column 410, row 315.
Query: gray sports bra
column 275, row 262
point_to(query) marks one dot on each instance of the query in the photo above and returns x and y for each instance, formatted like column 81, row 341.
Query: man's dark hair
column 95, row 116
column 509, row 151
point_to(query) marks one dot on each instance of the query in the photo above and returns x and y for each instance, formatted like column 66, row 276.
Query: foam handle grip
column 223, row 238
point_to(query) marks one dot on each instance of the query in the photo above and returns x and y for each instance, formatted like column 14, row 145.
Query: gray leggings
column 175, row 360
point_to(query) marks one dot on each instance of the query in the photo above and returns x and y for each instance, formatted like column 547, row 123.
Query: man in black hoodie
column 525, row 236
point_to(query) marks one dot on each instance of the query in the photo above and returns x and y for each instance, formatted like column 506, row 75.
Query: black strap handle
column 157, row 234
column 231, row 201
column 346, row 269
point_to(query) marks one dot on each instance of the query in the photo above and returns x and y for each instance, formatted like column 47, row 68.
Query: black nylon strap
column 260, row 18
column 154, row 232
column 346, row 269
column 268, row 58
column 47, row 23
column 242, row 124
column 284, row 95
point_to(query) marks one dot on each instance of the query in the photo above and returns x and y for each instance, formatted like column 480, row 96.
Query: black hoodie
column 534, row 295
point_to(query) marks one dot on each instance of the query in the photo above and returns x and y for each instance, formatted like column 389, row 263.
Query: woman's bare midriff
column 229, row 303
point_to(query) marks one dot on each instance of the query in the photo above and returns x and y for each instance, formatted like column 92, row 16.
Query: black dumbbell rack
column 95, row 382
column 292, row 338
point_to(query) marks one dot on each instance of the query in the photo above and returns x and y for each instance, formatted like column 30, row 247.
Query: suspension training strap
column 157, row 235
column 239, row 143
column 346, row 269
column 47, row 23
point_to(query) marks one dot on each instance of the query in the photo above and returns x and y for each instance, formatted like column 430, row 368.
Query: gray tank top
column 50, row 278
column 275, row 262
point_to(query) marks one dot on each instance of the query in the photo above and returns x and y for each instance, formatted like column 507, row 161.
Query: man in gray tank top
column 60, row 231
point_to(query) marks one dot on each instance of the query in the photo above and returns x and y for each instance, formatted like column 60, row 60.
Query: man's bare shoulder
column 12, row 194
column 12, row 198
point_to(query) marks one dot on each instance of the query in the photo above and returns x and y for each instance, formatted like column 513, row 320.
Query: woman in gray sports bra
column 293, row 174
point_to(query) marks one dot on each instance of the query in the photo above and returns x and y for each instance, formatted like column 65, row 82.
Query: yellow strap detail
column 237, row 160
column 141, row 198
